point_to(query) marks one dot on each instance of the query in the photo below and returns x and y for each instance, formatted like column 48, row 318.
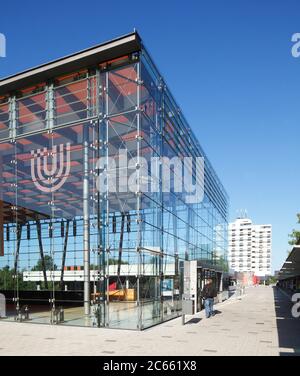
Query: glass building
column 75, row 254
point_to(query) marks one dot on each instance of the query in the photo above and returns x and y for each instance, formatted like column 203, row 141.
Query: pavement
column 258, row 323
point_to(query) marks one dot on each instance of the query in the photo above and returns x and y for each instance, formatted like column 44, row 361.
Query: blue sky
column 228, row 64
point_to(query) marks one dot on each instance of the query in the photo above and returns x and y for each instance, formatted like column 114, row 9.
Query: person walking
column 209, row 292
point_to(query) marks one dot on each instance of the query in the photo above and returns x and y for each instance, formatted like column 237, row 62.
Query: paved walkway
column 259, row 323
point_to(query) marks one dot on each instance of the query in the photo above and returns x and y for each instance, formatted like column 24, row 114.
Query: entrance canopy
column 291, row 266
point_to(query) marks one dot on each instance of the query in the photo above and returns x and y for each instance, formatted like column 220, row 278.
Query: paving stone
column 263, row 330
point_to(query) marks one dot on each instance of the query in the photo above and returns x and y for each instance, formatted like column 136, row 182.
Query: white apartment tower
column 249, row 247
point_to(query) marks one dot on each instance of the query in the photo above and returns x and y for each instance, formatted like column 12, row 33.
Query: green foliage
column 295, row 234
column 6, row 278
column 49, row 264
column 111, row 261
column 295, row 237
column 223, row 263
column 7, row 281
column 220, row 261
column 271, row 279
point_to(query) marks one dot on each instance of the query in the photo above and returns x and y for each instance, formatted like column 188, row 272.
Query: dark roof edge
column 105, row 51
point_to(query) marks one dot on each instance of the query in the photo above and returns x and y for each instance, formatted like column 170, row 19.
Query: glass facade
column 104, row 258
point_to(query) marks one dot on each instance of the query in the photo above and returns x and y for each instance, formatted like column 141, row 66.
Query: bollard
column 26, row 313
column 57, row 315
column 61, row 315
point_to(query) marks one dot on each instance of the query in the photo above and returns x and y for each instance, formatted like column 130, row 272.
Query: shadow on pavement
column 194, row 320
column 217, row 312
column 288, row 327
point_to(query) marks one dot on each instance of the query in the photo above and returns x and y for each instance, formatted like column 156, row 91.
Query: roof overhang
column 291, row 266
column 87, row 58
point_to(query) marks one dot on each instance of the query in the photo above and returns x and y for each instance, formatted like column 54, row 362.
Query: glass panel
column 150, row 287
column 4, row 120
column 120, row 133
column 171, row 288
column 33, row 213
column 68, row 219
column 8, row 197
column 31, row 112
column 122, row 89
column 71, row 99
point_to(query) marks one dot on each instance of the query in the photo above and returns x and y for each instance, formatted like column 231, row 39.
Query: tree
column 49, row 264
column 223, row 263
column 7, row 280
column 111, row 261
column 295, row 234
column 272, row 279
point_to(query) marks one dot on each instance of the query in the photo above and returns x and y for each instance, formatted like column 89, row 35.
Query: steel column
column 86, row 220
column 64, row 255
column 39, row 234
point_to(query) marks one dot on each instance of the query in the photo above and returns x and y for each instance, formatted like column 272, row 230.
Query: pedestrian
column 209, row 292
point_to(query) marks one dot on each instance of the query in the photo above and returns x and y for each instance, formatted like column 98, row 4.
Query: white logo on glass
column 50, row 177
